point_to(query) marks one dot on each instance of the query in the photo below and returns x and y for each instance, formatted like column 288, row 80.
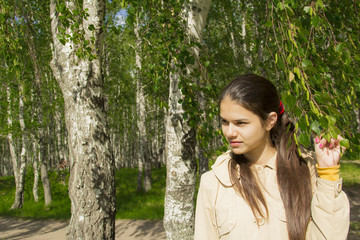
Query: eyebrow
column 237, row 120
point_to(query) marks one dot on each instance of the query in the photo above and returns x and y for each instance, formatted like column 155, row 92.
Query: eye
column 224, row 122
column 238, row 123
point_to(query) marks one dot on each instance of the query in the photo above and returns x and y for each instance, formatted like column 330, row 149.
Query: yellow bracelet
column 329, row 173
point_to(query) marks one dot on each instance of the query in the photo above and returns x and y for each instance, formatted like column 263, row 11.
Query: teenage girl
column 262, row 188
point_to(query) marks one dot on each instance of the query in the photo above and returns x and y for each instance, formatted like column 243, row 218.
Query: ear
column 271, row 120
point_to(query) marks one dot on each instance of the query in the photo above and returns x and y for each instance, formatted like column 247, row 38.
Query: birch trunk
column 232, row 35
column 91, row 183
column 19, row 169
column 180, row 143
column 18, row 201
column 143, row 153
column 36, row 170
column 41, row 134
column 247, row 56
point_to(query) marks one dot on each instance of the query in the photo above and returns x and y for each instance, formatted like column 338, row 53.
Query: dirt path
column 16, row 229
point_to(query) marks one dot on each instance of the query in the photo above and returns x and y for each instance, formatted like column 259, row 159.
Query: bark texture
column 41, row 134
column 19, row 167
column 180, row 143
column 91, row 183
column 143, row 148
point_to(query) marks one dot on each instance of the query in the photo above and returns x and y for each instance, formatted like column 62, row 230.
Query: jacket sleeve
column 205, row 223
column 330, row 212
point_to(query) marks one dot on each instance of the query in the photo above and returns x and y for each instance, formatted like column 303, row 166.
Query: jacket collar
column 221, row 168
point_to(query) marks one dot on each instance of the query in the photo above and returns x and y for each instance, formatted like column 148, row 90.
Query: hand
column 328, row 153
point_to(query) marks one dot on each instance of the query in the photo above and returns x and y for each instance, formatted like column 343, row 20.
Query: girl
column 262, row 188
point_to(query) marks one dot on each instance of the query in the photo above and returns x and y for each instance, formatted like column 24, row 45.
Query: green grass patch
column 350, row 172
column 130, row 204
column 59, row 209
column 140, row 205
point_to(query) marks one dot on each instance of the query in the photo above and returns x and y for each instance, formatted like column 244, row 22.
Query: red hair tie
column 281, row 108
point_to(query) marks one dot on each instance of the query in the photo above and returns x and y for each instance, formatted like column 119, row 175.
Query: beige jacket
column 221, row 213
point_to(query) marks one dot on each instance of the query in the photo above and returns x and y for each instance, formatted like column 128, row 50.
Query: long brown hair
column 260, row 96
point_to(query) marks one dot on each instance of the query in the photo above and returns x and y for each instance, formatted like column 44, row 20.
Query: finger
column 322, row 143
column 332, row 143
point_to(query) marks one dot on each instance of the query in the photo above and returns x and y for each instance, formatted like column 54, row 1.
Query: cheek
column 223, row 129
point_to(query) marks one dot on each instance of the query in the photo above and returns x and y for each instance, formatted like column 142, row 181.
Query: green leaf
column 315, row 127
column 306, row 63
column 345, row 143
column 290, row 101
column 297, row 72
column 91, row 27
column 314, row 109
column 75, row 12
column 331, row 120
column 304, row 139
column 320, row 3
column 302, row 123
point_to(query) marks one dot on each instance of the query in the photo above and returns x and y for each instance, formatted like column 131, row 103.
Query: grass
column 139, row 205
column 130, row 204
column 350, row 172
column 59, row 209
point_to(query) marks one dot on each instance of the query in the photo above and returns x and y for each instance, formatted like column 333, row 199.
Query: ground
column 16, row 229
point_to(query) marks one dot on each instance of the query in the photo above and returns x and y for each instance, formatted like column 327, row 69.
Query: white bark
column 247, row 56
column 357, row 112
column 41, row 135
column 10, row 136
column 36, row 169
column 19, row 167
column 91, row 183
column 143, row 153
column 232, row 36
column 180, row 142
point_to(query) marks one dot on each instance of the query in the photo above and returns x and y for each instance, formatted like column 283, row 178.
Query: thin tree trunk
column 91, row 183
column 144, row 159
column 232, row 35
column 180, row 142
column 41, row 135
column 19, row 171
column 247, row 57
column 36, row 170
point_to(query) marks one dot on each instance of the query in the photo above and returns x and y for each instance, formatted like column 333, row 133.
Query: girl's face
column 244, row 130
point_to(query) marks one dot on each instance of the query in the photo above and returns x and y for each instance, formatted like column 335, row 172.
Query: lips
column 235, row 143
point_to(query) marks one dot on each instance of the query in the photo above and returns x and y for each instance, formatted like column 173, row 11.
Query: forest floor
column 16, row 228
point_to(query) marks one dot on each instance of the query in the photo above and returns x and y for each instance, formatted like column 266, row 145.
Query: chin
column 238, row 151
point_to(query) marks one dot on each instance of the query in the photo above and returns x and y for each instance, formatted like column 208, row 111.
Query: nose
column 230, row 131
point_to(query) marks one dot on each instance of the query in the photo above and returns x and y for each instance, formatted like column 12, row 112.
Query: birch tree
column 180, row 140
column 41, row 136
column 78, row 72
column 18, row 166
